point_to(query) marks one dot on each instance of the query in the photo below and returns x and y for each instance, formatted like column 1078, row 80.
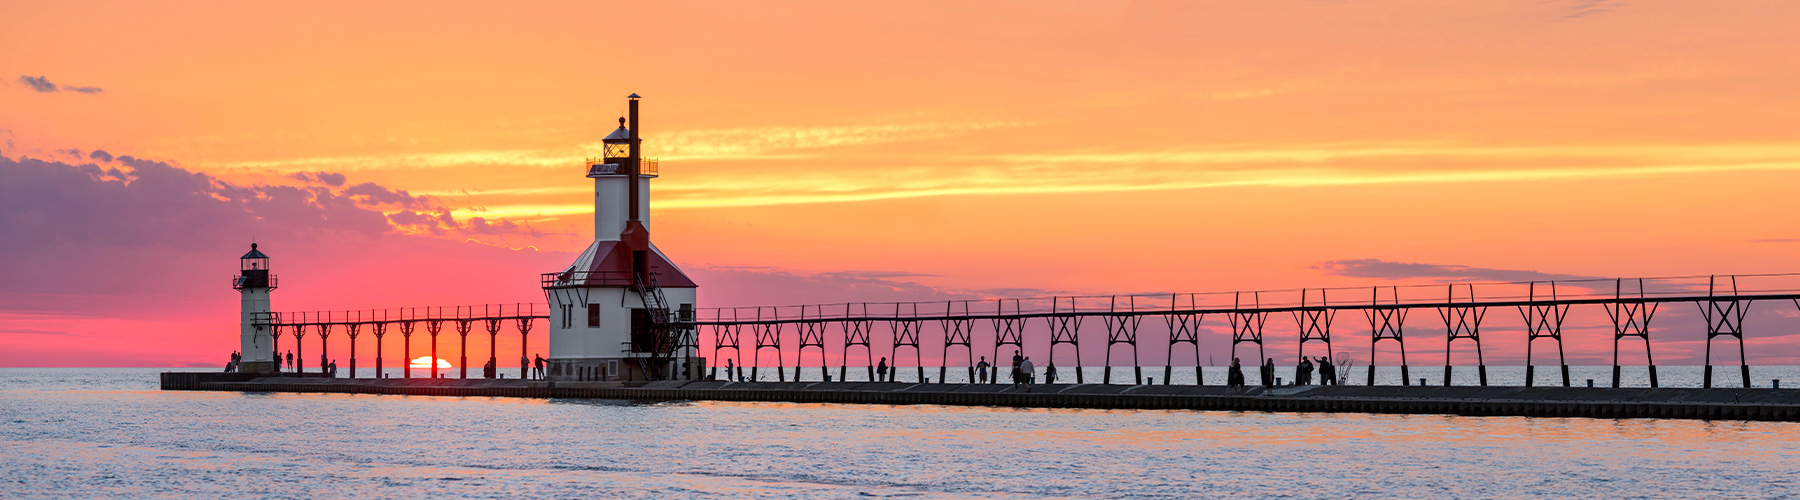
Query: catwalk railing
column 492, row 318
column 807, row 333
column 1055, row 323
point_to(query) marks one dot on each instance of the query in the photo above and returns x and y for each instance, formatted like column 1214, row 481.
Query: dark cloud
column 101, row 155
column 480, row 225
column 43, row 84
column 38, row 83
column 69, row 152
column 47, row 207
column 373, row 194
column 1382, row 269
column 329, row 179
column 411, row 218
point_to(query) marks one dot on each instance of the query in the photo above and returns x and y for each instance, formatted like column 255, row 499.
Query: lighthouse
column 615, row 313
column 253, row 282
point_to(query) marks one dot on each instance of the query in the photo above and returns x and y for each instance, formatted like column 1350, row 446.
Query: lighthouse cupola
column 616, row 150
column 256, row 342
column 253, row 270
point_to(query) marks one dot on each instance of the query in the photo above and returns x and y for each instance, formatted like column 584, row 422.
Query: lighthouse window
column 593, row 315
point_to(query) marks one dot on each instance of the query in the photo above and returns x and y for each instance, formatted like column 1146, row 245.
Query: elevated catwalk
column 1720, row 404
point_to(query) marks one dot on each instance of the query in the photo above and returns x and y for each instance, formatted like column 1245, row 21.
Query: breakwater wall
column 1683, row 403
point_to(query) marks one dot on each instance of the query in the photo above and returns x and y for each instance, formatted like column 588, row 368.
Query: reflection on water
column 110, row 433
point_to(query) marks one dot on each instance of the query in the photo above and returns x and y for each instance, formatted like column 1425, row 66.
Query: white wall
column 610, row 339
column 612, row 203
column 255, row 345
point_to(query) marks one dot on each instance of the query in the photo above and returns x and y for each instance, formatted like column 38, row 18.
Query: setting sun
column 425, row 362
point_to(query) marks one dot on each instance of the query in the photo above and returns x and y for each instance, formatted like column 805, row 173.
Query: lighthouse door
column 643, row 332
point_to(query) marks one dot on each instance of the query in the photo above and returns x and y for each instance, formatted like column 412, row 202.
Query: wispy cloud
column 690, row 145
column 1391, row 270
column 757, row 192
column 38, row 83
column 42, row 84
column 759, row 141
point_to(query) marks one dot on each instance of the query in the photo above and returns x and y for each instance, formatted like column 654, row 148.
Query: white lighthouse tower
column 254, row 283
column 613, row 312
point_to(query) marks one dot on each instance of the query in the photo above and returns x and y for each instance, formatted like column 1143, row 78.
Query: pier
column 1682, row 403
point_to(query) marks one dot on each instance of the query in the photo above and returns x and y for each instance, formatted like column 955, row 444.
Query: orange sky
column 1077, row 147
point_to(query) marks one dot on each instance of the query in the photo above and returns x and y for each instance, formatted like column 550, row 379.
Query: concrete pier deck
column 1683, row 403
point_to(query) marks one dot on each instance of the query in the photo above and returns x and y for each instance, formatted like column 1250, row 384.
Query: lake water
column 110, row 433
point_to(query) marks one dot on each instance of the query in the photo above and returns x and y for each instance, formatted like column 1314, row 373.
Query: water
column 110, row 433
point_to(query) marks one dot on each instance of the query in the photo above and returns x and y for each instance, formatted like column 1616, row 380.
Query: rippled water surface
column 111, row 433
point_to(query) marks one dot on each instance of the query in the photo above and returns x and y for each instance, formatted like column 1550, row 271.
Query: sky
column 403, row 154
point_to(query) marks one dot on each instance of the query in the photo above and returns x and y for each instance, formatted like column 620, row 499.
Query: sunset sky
column 429, row 153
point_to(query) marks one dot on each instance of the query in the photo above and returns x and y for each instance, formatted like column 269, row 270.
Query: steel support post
column 1631, row 318
column 1065, row 328
column 1724, row 316
column 299, row 362
column 1183, row 328
column 906, row 334
column 275, row 343
column 768, row 336
column 1544, row 321
column 354, row 329
column 1009, row 329
column 1315, row 324
column 406, row 331
column 812, row 334
column 433, row 326
column 463, row 325
column 1462, row 322
column 856, row 333
column 1247, row 326
column 956, row 333
column 324, row 346
column 727, row 336
column 380, row 330
column 1121, row 328
column 493, row 325
column 525, row 364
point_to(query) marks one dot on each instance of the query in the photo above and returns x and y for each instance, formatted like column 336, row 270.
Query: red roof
column 613, row 258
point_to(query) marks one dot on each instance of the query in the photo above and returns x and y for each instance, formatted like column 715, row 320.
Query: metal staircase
column 662, row 344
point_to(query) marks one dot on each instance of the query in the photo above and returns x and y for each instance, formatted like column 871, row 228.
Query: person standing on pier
column 1268, row 372
column 1303, row 372
column 1234, row 377
column 1027, row 371
column 1050, row 372
column 290, row 360
column 981, row 370
column 1327, row 372
column 1016, row 374
column 537, row 366
column 881, row 371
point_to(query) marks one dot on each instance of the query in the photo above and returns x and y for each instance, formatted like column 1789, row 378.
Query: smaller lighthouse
column 254, row 283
